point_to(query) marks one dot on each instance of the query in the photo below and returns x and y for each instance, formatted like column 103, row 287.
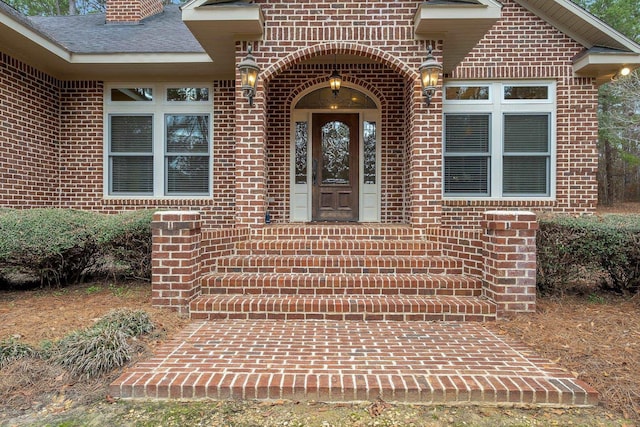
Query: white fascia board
column 599, row 61
column 141, row 58
column 224, row 22
column 36, row 37
column 427, row 12
column 599, row 24
column 223, row 13
column 585, row 16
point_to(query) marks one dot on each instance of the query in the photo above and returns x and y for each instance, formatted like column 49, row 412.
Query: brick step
column 369, row 308
column 413, row 362
column 342, row 232
column 341, row 284
column 338, row 264
column 339, row 247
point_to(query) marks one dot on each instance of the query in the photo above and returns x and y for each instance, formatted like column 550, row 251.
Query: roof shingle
column 89, row 34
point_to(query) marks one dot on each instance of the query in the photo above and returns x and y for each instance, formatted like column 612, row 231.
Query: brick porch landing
column 350, row 361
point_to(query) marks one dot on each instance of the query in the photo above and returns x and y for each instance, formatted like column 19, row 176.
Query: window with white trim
column 158, row 140
column 499, row 140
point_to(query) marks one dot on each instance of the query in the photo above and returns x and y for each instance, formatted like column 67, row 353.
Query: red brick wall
column 131, row 11
column 523, row 46
column 175, row 266
column 379, row 32
column 223, row 208
column 81, row 141
column 82, row 156
column 518, row 47
column 29, row 136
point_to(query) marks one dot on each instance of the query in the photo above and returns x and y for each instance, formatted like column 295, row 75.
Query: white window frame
column 497, row 107
column 159, row 107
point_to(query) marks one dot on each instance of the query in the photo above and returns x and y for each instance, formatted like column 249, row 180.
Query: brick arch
column 353, row 81
column 343, row 48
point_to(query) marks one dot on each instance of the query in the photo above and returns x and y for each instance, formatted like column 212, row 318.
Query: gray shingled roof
column 161, row 33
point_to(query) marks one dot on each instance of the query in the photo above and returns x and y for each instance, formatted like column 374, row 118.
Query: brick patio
column 417, row 362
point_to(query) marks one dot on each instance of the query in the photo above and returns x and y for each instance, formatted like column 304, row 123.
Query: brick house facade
column 142, row 108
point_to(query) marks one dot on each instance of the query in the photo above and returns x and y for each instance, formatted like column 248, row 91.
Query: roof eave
column 604, row 65
column 594, row 27
column 21, row 39
column 460, row 26
column 218, row 27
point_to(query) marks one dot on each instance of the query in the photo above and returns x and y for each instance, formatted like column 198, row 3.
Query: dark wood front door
column 335, row 167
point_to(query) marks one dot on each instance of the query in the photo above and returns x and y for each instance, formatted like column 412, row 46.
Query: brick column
column 509, row 250
column 250, row 174
column 175, row 260
column 425, row 152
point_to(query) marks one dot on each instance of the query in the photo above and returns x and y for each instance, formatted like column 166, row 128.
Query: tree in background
column 42, row 7
column 619, row 111
column 62, row 7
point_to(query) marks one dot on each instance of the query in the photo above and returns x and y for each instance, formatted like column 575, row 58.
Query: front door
column 335, row 139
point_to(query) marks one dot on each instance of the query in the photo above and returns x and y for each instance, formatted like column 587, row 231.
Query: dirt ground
column 620, row 208
column 597, row 338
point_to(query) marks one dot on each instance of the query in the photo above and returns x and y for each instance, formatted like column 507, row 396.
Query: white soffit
column 217, row 27
column 22, row 41
column 607, row 50
column 604, row 63
column 579, row 24
column 460, row 24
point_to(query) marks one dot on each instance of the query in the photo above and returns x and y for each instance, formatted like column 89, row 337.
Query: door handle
column 314, row 172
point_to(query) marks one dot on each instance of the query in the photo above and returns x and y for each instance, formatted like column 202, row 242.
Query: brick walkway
column 350, row 361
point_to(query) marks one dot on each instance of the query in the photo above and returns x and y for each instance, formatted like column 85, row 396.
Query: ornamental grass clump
column 104, row 347
column 12, row 349
column 93, row 352
column 132, row 323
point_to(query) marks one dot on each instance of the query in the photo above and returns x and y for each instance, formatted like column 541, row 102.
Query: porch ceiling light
column 335, row 80
column 249, row 75
column 429, row 74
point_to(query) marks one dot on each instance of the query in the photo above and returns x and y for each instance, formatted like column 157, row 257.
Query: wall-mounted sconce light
column 335, row 80
column 249, row 75
column 624, row 72
column 429, row 74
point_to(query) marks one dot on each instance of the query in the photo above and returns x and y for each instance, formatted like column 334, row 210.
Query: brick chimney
column 131, row 11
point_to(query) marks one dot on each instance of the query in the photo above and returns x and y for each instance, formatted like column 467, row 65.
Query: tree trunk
column 608, row 195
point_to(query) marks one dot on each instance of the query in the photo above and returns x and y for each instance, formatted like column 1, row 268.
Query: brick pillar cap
column 506, row 215
column 176, row 216
column 162, row 213
column 508, row 212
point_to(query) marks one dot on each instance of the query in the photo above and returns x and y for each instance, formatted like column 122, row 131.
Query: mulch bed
column 597, row 338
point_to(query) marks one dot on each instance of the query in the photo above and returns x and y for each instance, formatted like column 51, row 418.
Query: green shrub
column 60, row 246
column 12, row 349
column 93, row 352
column 132, row 323
column 589, row 253
column 53, row 245
column 125, row 239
